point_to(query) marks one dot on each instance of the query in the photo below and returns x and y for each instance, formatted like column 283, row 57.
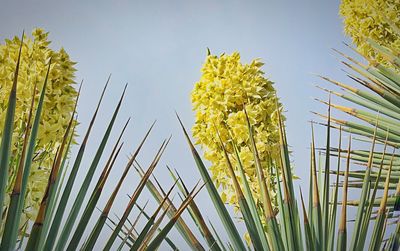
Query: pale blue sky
column 158, row 47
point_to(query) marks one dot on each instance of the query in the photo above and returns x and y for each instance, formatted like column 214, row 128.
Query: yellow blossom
column 368, row 19
column 218, row 98
column 57, row 108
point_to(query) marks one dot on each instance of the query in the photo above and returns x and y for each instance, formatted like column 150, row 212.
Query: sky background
column 158, row 48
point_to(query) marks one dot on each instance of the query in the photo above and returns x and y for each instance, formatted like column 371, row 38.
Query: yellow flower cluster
column 368, row 19
column 57, row 108
column 226, row 85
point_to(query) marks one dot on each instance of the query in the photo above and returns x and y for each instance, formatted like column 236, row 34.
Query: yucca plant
column 375, row 106
column 55, row 228
column 218, row 97
column 57, row 109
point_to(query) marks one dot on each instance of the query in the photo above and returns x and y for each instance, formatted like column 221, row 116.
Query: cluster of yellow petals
column 226, row 85
column 371, row 19
column 57, row 109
